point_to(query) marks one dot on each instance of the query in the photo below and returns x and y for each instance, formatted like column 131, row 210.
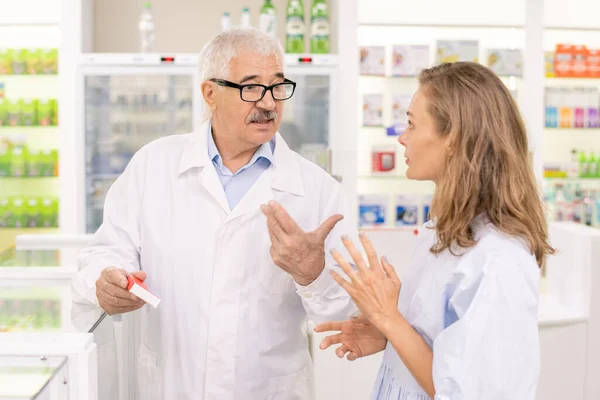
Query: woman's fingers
column 341, row 351
column 371, row 255
column 331, row 340
column 390, row 271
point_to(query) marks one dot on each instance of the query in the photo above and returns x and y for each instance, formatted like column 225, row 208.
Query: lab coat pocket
column 297, row 386
column 273, row 279
column 149, row 375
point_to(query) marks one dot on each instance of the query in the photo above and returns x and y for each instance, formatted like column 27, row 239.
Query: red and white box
column 139, row 288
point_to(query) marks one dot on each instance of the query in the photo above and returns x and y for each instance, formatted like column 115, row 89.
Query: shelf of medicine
column 27, row 128
column 572, row 130
column 29, row 178
column 385, row 177
column 37, row 273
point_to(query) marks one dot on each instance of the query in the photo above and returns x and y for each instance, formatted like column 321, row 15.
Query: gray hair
column 218, row 53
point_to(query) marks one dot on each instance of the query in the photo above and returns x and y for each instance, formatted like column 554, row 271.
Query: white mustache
column 262, row 116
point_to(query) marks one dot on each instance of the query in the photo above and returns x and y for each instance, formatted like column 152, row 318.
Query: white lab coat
column 231, row 324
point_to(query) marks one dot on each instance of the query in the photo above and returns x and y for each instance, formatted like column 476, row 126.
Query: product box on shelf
column 572, row 108
column 50, row 61
column 426, row 202
column 29, row 309
column 449, row 51
column 5, row 63
column 3, row 112
column 505, row 62
column 372, row 60
column 407, row 210
column 400, row 104
column 28, row 61
column 372, row 110
column 32, row 212
column 34, row 61
column 593, row 63
column 549, row 64
column 383, row 158
column 372, row 210
column 409, row 60
column 576, row 61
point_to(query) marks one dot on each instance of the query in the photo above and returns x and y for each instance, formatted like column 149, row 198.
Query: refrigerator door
column 124, row 111
column 305, row 124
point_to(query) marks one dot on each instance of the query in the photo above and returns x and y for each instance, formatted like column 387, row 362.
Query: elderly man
column 229, row 228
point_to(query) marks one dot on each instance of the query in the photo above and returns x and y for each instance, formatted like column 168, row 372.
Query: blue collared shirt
column 237, row 185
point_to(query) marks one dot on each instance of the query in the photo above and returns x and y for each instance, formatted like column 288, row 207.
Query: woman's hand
column 375, row 288
column 358, row 338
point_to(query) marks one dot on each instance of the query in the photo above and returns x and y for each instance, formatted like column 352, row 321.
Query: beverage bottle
column 268, row 18
column 225, row 21
column 294, row 27
column 245, row 20
column 320, row 27
column 146, row 27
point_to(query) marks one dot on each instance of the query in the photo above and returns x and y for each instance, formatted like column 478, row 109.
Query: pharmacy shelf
column 28, row 129
column 30, row 86
column 8, row 235
column 392, row 177
column 413, row 229
column 576, row 131
column 29, row 178
column 30, row 187
column 572, row 82
column 48, row 276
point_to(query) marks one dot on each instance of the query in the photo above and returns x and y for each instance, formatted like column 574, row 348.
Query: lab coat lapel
column 196, row 156
column 283, row 175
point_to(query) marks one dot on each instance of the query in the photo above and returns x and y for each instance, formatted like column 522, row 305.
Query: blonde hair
column 487, row 169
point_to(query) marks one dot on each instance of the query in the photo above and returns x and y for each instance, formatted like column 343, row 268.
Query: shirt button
column 307, row 295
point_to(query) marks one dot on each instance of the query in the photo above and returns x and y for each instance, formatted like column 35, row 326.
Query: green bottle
column 320, row 28
column 583, row 165
column 268, row 18
column 592, row 166
column 294, row 27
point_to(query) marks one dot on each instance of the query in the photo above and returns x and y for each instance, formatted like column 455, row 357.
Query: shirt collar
column 264, row 151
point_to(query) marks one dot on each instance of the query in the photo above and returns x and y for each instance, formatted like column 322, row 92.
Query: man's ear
column 209, row 92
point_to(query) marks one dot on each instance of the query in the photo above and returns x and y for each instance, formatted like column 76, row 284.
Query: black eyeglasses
column 255, row 92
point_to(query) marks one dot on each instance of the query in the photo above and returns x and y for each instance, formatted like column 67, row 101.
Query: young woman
column 463, row 323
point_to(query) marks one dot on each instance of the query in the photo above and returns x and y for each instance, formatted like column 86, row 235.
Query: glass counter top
column 28, row 377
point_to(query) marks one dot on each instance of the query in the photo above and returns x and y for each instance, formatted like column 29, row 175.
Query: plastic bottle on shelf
column 245, row 20
column 225, row 21
column 268, row 18
column 583, row 165
column 294, row 27
column 578, row 96
column 588, row 205
column 592, row 171
column 566, row 110
column 146, row 28
column 18, row 163
column 573, row 170
column 320, row 28
column 578, row 205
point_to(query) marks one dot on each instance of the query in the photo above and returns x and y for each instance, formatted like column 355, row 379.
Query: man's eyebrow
column 248, row 78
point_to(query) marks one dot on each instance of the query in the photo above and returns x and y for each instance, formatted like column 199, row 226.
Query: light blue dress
column 478, row 312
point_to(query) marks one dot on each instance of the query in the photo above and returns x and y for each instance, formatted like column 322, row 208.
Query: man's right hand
column 357, row 337
column 112, row 293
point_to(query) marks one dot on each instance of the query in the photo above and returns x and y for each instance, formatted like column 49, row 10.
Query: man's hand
column 112, row 293
column 300, row 254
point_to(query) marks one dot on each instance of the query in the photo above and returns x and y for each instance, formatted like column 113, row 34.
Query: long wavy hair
column 488, row 170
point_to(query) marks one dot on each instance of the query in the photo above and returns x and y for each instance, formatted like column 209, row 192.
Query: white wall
column 181, row 25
